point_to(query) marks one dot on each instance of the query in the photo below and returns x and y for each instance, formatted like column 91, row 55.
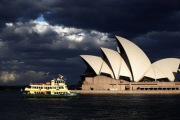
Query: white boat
column 56, row 88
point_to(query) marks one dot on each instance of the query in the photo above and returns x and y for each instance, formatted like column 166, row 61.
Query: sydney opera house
column 129, row 68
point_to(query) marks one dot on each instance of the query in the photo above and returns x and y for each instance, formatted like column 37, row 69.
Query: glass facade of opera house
column 129, row 68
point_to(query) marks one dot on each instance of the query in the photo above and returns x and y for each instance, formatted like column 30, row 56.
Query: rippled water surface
column 90, row 107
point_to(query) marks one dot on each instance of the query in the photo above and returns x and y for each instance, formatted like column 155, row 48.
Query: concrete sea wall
column 127, row 92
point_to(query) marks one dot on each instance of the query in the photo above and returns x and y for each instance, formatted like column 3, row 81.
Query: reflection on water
column 96, row 107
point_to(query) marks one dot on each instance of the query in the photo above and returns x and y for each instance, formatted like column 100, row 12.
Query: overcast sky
column 47, row 36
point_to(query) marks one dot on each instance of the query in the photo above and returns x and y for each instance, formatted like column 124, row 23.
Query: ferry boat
column 56, row 88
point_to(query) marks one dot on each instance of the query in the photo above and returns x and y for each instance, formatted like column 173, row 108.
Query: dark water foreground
column 90, row 107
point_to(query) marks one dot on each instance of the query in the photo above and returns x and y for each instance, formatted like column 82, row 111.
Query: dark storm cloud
column 127, row 18
column 14, row 10
column 117, row 16
column 37, row 47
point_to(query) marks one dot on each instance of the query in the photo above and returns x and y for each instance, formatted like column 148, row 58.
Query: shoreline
column 127, row 92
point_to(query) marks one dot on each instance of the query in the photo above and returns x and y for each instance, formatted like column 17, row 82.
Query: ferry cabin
column 54, row 87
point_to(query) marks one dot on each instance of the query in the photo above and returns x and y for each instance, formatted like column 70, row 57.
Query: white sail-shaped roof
column 105, row 69
column 167, row 66
column 114, row 60
column 154, row 72
column 139, row 62
column 97, row 64
column 131, row 62
column 150, row 73
column 117, row 63
column 124, row 71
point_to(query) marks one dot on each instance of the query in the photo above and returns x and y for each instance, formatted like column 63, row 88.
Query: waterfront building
column 129, row 68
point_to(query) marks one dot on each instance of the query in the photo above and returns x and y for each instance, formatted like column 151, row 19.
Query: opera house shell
column 129, row 68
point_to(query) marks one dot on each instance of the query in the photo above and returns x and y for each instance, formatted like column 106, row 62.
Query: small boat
column 54, row 89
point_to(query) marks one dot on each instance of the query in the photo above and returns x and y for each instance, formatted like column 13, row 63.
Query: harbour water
column 90, row 107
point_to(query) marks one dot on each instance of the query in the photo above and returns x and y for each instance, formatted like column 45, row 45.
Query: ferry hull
column 71, row 95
